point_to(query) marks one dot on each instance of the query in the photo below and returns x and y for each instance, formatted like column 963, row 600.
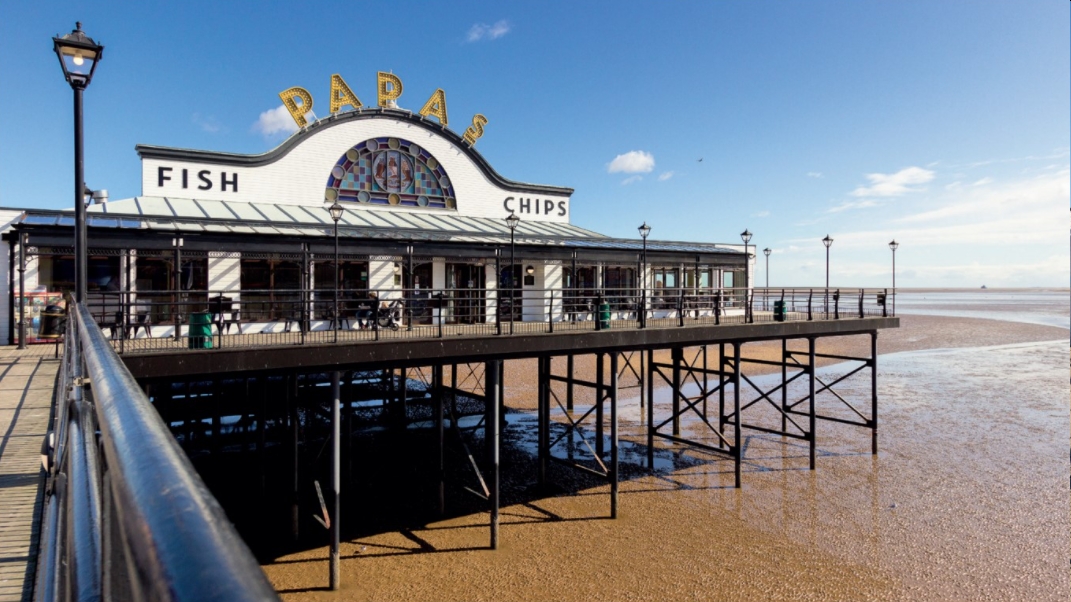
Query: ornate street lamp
column 827, row 241
column 512, row 220
column 894, row 246
column 336, row 214
column 767, row 252
column 644, row 231
column 746, row 237
column 78, row 56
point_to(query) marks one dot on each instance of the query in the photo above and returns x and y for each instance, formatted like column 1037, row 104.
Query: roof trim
column 147, row 151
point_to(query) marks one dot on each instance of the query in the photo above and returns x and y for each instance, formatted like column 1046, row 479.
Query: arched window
column 390, row 171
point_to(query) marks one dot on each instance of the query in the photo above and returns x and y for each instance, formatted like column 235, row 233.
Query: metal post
column 411, row 288
column 650, row 408
column 826, row 317
column 811, row 413
column 569, row 385
column 613, row 435
column 512, row 280
column 721, row 392
column 894, row 281
column 335, row 475
column 437, row 383
column 80, row 249
column 498, row 292
column 543, row 419
column 874, row 392
column 22, row 290
column 598, row 404
column 678, row 357
column 738, row 449
column 335, row 319
column 491, row 374
column 784, row 385
column 178, row 287
column 643, row 293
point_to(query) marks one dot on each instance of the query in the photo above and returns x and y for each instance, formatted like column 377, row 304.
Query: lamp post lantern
column 78, row 56
column 828, row 242
column 746, row 237
column 894, row 246
column 336, row 214
column 512, row 220
column 644, row 231
column 767, row 252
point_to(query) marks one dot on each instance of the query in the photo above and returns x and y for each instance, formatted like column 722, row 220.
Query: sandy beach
column 967, row 499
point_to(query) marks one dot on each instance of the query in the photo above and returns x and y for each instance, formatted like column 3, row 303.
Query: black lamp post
column 894, row 246
column 78, row 55
column 336, row 214
column 767, row 252
column 828, row 242
column 644, row 230
column 746, row 237
column 512, row 220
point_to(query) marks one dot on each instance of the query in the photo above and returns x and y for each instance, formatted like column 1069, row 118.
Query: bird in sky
column 700, row 160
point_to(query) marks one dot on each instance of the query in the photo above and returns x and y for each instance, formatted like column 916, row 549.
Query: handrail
column 164, row 536
column 308, row 316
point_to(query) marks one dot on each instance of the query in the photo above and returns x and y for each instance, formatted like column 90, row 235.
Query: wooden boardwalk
column 26, row 382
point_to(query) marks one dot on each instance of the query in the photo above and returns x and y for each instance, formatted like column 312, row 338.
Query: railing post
column 680, row 308
column 442, row 312
column 810, row 299
column 550, row 312
column 717, row 312
column 885, row 306
column 836, row 304
column 861, row 293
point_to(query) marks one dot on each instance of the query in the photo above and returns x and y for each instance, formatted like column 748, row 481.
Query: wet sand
column 967, row 500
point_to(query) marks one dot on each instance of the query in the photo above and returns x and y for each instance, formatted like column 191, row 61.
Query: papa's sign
column 389, row 89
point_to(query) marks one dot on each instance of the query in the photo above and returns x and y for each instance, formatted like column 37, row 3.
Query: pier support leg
column 649, row 378
column 678, row 358
column 492, row 372
column 811, row 411
column 295, row 431
column 542, row 419
column 613, row 435
column 784, row 385
column 599, row 398
column 569, row 385
column 335, row 475
column 721, row 392
column 437, row 384
column 874, row 392
column 738, row 451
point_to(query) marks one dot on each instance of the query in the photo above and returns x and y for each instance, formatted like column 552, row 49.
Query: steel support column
column 437, row 384
column 738, row 448
column 492, row 370
column 613, row 435
column 335, row 476
column 874, row 392
column 812, row 437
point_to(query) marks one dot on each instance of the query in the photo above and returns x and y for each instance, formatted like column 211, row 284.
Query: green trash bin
column 604, row 316
column 779, row 311
column 200, row 330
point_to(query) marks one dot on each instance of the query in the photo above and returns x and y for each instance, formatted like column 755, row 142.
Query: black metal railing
column 247, row 318
column 126, row 515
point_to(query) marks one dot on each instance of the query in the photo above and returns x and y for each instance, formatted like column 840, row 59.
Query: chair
column 142, row 319
column 224, row 314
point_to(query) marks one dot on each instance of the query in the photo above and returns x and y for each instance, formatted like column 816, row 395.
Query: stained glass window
column 390, row 171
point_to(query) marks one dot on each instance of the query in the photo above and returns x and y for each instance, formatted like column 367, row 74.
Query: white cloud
column 275, row 121
column 207, row 124
column 983, row 182
column 483, row 31
column 761, row 214
column 632, row 162
column 853, row 205
column 896, row 184
column 662, row 177
column 814, row 174
column 631, row 180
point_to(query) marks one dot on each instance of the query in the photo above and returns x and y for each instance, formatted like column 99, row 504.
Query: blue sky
column 944, row 125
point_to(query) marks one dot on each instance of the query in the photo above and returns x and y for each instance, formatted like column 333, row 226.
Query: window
column 390, row 171
column 352, row 284
column 158, row 294
column 271, row 289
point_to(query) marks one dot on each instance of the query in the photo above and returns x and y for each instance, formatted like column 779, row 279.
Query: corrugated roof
column 189, row 215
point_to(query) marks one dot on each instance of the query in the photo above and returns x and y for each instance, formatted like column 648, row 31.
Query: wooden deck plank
column 26, row 381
